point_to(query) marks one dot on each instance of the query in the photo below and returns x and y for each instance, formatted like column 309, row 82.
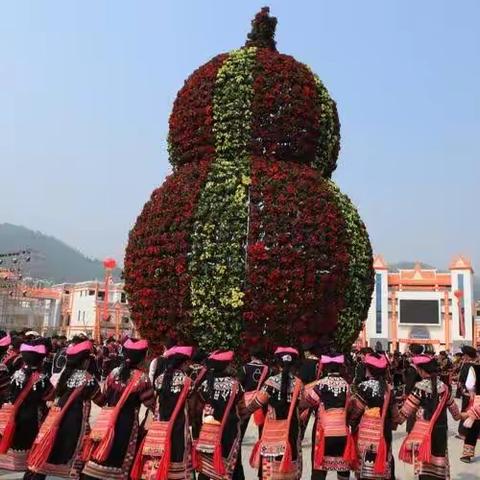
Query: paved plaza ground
column 458, row 470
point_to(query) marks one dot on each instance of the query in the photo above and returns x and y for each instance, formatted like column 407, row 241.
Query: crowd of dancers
column 185, row 413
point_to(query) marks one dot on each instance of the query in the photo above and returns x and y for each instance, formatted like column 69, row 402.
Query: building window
column 125, row 319
column 91, row 293
column 78, row 317
column 123, row 298
column 378, row 303
column 101, row 295
column 460, row 282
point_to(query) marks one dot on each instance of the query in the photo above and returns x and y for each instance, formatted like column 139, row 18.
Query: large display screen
column 420, row 312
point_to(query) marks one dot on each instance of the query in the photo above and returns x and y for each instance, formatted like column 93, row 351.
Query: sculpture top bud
column 291, row 115
column 263, row 31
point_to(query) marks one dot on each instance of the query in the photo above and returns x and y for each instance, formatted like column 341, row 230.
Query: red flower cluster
column 285, row 115
column 156, row 276
column 294, row 290
column 190, row 135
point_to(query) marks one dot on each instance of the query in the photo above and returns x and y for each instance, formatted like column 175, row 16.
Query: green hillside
column 51, row 258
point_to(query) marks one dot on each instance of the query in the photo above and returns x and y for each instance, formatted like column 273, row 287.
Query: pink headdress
column 340, row 359
column 419, row 360
column 138, row 345
column 5, row 341
column 286, row 351
column 79, row 347
column 377, row 362
column 220, row 356
column 40, row 349
column 179, row 350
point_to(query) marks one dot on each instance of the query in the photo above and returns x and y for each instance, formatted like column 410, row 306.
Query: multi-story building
column 83, row 309
column 420, row 305
column 64, row 309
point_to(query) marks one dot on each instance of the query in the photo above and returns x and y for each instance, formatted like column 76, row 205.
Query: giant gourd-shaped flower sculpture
column 249, row 240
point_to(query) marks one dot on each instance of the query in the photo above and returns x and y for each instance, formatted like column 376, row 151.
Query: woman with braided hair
column 278, row 453
column 20, row 418
column 166, row 450
column 426, row 445
column 217, row 449
column 115, row 434
column 58, row 447
column 372, row 409
column 333, row 448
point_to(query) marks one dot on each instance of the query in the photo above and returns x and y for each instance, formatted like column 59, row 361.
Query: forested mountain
column 51, row 259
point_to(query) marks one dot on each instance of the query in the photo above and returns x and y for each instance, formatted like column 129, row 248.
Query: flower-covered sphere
column 292, row 115
column 249, row 241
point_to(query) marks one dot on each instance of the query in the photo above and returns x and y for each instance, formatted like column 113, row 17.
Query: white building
column 421, row 306
column 83, row 309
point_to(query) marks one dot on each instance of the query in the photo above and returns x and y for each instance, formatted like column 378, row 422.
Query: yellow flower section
column 217, row 259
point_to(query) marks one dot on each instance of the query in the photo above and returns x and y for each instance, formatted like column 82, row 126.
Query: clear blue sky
column 86, row 88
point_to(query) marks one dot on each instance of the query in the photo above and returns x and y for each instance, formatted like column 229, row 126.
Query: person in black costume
column 330, row 398
column 252, row 373
column 29, row 390
column 59, row 452
column 172, row 388
column 278, row 394
column 123, row 447
column 471, row 390
column 411, row 377
column 431, row 398
column 470, row 358
column 215, row 393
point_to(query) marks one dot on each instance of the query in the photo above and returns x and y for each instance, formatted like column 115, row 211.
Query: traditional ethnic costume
column 308, row 372
column 20, row 419
column 333, row 448
column 115, row 434
column 253, row 376
column 58, row 447
column 426, row 445
column 11, row 357
column 470, row 359
column 217, row 448
column 110, row 358
column 471, row 428
column 278, row 452
column 373, row 405
column 359, row 371
column 165, row 453
column 411, row 378
column 196, row 372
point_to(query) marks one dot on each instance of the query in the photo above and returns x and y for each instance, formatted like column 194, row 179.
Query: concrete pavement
column 458, row 469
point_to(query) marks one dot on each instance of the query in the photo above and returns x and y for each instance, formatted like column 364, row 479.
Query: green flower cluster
column 218, row 254
column 328, row 145
column 359, row 288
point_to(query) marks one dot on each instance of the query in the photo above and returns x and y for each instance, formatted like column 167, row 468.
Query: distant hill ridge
column 406, row 265
column 52, row 259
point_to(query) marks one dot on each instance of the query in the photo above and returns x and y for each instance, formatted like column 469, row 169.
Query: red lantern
column 109, row 263
column 458, row 294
